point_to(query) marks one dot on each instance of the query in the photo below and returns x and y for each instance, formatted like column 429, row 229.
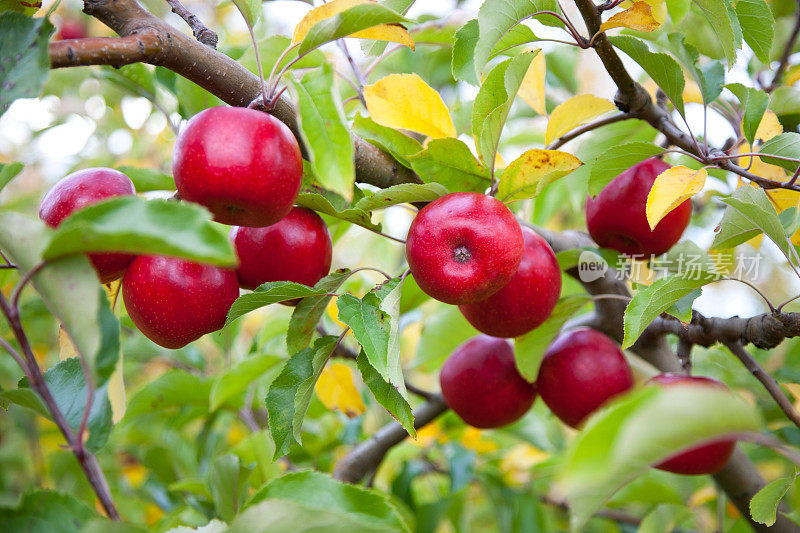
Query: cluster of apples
column 245, row 167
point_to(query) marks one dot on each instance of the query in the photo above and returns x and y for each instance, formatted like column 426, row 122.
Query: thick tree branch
column 115, row 51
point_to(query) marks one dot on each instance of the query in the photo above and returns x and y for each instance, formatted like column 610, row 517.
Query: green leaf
column 349, row 21
column 651, row 301
column 308, row 312
column 784, row 145
column 8, row 171
column 376, row 48
column 386, row 394
column 133, row 224
column 664, row 70
column 319, row 203
column 269, row 293
column 466, row 38
column 493, row 102
column 785, row 100
column 20, row 6
column 286, row 516
column 764, row 504
column 678, row 9
column 192, row 98
column 641, row 429
column 734, row 229
column 664, row 518
column 23, row 55
column 236, row 380
column 324, row 130
column 450, row 162
column 147, row 179
column 227, row 482
column 497, row 17
column 288, row 396
column 752, row 203
column 250, row 10
column 69, row 288
column 176, row 388
column 322, row 492
column 530, row 347
column 708, row 77
column 758, row 26
column 616, row 160
column 722, row 19
column 754, row 103
column 404, row 193
column 395, row 143
column 46, row 511
column 433, row 347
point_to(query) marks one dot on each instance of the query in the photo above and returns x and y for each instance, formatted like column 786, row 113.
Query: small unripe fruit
column 174, row 302
column 617, row 219
column 480, row 382
column 704, row 459
column 242, row 164
column 298, row 248
column 524, row 302
column 582, row 370
column 71, row 29
column 83, row 188
column 463, row 247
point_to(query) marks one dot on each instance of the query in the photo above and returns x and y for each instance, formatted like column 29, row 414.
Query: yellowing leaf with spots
column 670, row 189
column 638, row 17
column 574, row 112
column 532, row 89
column 531, row 172
column 657, row 7
column 769, row 126
column 405, row 101
column 336, row 391
column 382, row 32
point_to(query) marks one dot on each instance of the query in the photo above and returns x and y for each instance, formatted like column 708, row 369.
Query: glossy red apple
column 705, row 459
column 480, row 382
column 242, row 164
column 527, row 300
column 83, row 188
column 616, row 217
column 298, row 248
column 463, row 247
column 581, row 370
column 71, row 29
column 174, row 301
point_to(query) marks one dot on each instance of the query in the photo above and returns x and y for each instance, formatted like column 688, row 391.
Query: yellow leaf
column 724, row 260
column 783, row 199
column 704, row 494
column 670, row 189
column 382, row 32
column 499, row 162
column 405, row 101
column 574, row 112
column 518, row 462
column 134, row 473
column 532, row 88
column 757, row 166
column 336, row 391
column 531, row 172
column 792, row 75
column 657, row 7
column 794, row 389
column 430, row 433
column 769, row 126
column 691, row 92
column 472, row 438
column 638, row 17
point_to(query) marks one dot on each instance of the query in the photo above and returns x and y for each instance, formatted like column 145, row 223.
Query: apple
column 243, row 165
column 83, row 188
column 174, row 301
column 581, row 370
column 71, row 29
column 298, row 248
column 480, row 382
column 616, row 218
column 524, row 302
column 463, row 247
column 704, row 459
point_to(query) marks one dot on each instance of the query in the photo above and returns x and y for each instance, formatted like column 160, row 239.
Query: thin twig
column 564, row 139
column 787, row 51
column 201, row 33
column 361, row 80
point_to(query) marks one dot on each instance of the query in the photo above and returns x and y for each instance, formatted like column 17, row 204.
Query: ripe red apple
column 174, row 301
column 71, row 29
column 298, row 248
column 83, row 188
column 480, row 382
column 704, row 459
column 242, row 164
column 524, row 302
column 463, row 247
column 581, row 370
column 616, row 217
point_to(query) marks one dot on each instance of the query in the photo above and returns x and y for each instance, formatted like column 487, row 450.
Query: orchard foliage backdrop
column 297, row 417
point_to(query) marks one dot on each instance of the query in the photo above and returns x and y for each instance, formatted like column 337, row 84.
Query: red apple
column 463, row 247
column 480, row 382
column 527, row 300
column 71, row 29
column 704, row 459
column 298, row 248
column 242, row 164
column 83, row 188
column 174, row 301
column 616, row 218
column 581, row 370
